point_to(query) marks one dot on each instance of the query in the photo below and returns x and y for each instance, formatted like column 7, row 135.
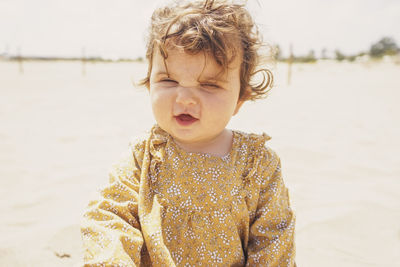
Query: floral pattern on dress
column 168, row 207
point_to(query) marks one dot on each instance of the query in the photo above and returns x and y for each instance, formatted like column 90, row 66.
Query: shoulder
column 147, row 143
column 137, row 144
column 254, row 144
column 259, row 156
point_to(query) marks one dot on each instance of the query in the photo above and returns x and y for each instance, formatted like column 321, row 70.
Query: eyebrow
column 213, row 79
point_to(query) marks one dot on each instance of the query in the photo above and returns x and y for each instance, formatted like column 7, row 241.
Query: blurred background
column 101, row 29
column 68, row 108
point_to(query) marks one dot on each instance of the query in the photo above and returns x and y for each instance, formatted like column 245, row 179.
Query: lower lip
column 185, row 121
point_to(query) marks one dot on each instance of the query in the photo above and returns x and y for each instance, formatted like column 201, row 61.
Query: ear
column 238, row 106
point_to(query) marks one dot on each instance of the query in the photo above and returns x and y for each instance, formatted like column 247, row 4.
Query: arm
column 110, row 229
column 271, row 239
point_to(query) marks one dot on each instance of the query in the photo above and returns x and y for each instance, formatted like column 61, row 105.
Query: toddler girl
column 192, row 192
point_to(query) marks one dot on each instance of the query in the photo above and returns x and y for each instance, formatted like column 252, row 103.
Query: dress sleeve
column 271, row 238
column 110, row 228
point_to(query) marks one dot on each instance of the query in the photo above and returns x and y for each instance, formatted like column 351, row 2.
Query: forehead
column 201, row 63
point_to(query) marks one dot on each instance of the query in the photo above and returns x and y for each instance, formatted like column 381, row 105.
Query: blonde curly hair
column 218, row 27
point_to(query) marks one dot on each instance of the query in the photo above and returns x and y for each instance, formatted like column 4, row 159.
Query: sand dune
column 336, row 128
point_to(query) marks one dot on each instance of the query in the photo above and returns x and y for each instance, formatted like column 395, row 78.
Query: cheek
column 159, row 101
column 224, row 101
column 221, row 106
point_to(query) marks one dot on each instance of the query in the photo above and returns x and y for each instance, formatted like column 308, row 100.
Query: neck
column 220, row 145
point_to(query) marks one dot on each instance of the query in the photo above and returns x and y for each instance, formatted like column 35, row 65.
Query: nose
column 186, row 96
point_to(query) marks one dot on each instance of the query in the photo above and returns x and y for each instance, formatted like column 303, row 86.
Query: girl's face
column 196, row 101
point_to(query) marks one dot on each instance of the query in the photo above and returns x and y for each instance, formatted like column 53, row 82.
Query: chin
column 184, row 137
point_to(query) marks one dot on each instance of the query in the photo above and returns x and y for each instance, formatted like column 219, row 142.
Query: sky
column 117, row 28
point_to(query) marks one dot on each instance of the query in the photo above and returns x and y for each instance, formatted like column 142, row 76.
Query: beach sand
column 336, row 129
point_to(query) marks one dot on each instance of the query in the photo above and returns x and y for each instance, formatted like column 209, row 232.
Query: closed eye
column 210, row 86
column 166, row 80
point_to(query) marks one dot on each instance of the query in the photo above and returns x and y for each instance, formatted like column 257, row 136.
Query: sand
column 336, row 128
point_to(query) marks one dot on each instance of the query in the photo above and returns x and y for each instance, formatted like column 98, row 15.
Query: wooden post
column 83, row 59
column 19, row 57
column 290, row 62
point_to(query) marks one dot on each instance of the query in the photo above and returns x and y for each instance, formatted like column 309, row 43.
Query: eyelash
column 168, row 80
column 215, row 86
column 206, row 86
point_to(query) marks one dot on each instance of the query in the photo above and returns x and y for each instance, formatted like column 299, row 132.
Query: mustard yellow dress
column 168, row 207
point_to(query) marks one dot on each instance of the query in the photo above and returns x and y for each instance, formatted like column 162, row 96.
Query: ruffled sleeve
column 110, row 229
column 271, row 237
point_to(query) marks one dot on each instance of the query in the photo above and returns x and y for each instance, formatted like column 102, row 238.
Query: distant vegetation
column 384, row 47
column 90, row 59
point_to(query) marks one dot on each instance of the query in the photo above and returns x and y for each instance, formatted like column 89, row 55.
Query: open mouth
column 185, row 119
